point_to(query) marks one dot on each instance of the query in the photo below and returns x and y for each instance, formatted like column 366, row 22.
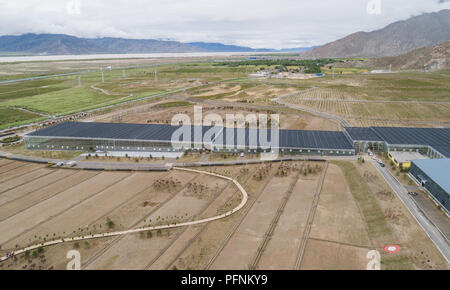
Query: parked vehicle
column 71, row 163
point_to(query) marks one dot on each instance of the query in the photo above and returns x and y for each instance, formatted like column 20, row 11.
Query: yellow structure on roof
column 403, row 159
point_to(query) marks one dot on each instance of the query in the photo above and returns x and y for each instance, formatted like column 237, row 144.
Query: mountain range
column 61, row 44
column 425, row 30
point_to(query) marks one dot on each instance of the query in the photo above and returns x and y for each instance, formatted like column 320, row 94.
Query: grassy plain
column 421, row 96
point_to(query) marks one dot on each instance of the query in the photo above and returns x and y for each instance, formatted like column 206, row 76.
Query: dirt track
column 59, row 202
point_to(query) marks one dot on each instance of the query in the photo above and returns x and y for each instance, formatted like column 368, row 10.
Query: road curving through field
column 152, row 228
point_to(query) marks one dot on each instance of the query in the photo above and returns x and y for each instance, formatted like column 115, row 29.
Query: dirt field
column 266, row 234
column 152, row 114
column 325, row 255
column 338, row 218
column 17, row 170
column 337, row 227
column 279, row 251
column 69, row 202
column 202, row 251
column 389, row 222
column 362, row 111
column 241, row 248
column 414, row 243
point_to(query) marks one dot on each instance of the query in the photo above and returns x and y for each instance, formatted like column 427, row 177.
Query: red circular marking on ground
column 391, row 249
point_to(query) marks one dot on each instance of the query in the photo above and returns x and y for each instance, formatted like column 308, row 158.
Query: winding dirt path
column 143, row 229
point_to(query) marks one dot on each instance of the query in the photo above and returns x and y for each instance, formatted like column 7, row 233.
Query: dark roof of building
column 155, row 132
column 415, row 136
column 438, row 138
column 291, row 139
column 314, row 139
column 443, row 149
column 437, row 170
column 118, row 131
column 363, row 134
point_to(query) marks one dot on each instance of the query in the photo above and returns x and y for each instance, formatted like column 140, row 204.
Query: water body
column 117, row 56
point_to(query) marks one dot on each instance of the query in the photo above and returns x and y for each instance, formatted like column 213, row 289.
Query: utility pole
column 390, row 68
column 103, row 76
column 156, row 75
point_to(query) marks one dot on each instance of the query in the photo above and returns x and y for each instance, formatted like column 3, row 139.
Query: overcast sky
column 254, row 23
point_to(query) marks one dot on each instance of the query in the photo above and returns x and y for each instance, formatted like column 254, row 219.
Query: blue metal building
column 434, row 175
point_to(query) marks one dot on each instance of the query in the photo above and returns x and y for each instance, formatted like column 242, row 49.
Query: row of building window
column 100, row 147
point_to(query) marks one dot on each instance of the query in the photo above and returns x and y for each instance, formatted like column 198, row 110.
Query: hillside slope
column 423, row 58
column 397, row 38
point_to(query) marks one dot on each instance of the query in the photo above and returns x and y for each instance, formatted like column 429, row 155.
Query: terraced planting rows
column 353, row 107
column 293, row 208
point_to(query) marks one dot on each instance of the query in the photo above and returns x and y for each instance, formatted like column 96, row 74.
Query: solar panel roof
column 289, row 139
column 157, row 132
column 363, row 134
column 438, row 138
column 443, row 149
column 314, row 139
column 117, row 131
column 414, row 136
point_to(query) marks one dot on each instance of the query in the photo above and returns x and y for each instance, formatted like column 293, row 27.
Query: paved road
column 433, row 233
column 165, row 165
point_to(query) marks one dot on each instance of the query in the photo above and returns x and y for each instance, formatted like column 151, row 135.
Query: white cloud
column 256, row 23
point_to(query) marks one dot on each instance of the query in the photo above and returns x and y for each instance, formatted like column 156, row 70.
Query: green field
column 61, row 101
column 11, row 115
column 343, row 70
column 63, row 95
column 31, row 88
column 173, row 104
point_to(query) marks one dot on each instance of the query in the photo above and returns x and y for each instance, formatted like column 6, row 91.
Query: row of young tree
column 309, row 65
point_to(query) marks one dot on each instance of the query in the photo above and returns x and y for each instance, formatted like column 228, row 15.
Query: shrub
column 110, row 223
